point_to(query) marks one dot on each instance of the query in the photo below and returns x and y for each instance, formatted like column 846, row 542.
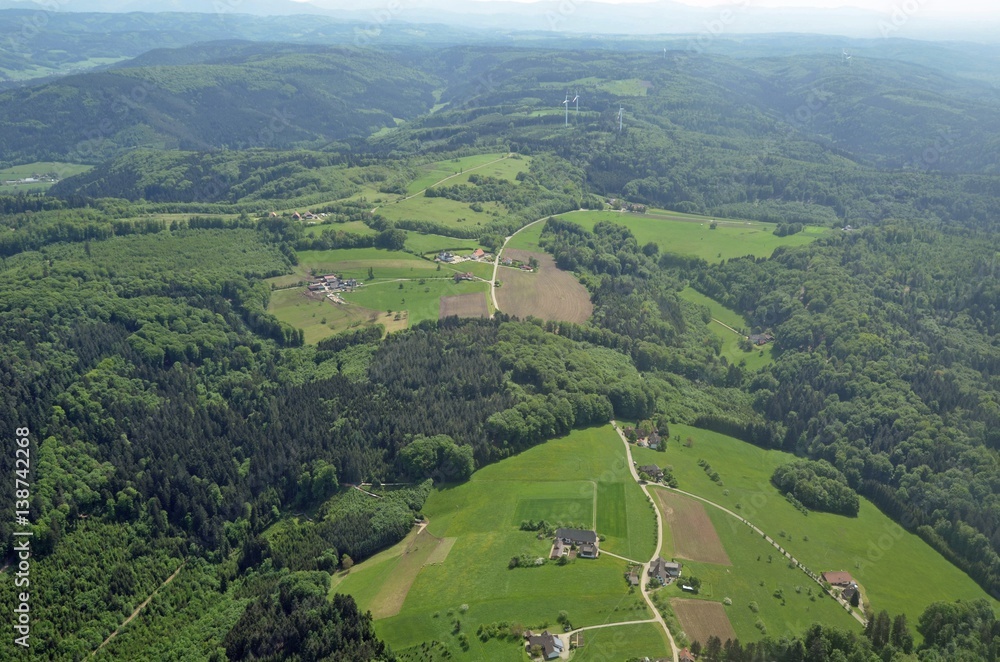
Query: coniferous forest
column 177, row 429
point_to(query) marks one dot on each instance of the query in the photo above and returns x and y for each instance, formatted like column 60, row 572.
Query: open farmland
column 318, row 317
column 702, row 619
column 548, row 293
column 560, row 481
column 465, row 305
column 692, row 534
column 355, row 262
column 885, row 559
column 419, row 299
column 688, row 234
column 722, row 318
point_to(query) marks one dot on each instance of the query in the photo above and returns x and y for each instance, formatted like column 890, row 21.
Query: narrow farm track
column 643, row 586
column 139, row 609
column 784, row 552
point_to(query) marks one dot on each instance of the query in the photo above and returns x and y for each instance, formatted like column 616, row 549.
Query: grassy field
column 431, row 173
column 548, row 293
column 691, row 235
column 506, row 169
column 432, row 244
column 897, row 570
column 41, row 168
column 731, row 349
column 443, row 211
column 421, row 301
column 557, row 481
column 354, row 263
column 320, row 319
column 527, row 239
column 354, row 227
column 754, row 575
column 644, row 640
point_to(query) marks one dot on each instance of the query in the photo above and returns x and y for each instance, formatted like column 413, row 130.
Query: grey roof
column 577, row 535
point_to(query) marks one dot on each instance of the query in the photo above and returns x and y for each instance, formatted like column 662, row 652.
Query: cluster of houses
column 34, row 179
column 308, row 216
column 511, row 262
column 333, row 283
column 622, row 205
column 652, row 441
column 450, row 258
column 844, row 581
column 586, row 543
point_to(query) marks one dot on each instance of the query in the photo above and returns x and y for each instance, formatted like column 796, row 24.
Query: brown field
column 389, row 600
column 440, row 553
column 465, row 305
column 701, row 619
column 693, row 534
column 548, row 294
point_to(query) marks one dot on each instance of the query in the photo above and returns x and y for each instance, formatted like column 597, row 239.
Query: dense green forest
column 177, row 426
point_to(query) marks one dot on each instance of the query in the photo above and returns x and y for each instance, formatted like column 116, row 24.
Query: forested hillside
column 178, row 426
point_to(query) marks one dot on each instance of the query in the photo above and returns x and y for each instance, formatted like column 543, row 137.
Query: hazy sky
column 910, row 7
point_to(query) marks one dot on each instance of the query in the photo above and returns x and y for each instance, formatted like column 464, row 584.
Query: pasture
column 548, row 293
column 39, row 169
column 465, row 305
column 420, row 299
column 562, row 481
column 353, row 227
column 355, row 262
column 641, row 640
column 886, row 560
column 688, row 234
column 320, row 318
column 527, row 238
column 692, row 535
column 702, row 619
column 767, row 596
column 443, row 211
column 432, row 173
column 731, row 349
column 432, row 244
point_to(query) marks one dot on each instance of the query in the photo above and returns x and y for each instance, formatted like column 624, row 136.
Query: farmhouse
column 633, row 578
column 550, row 645
column 685, row 656
column 761, row 338
column 478, row 253
column 838, row 578
column 586, row 541
column 559, row 549
column 652, row 471
column 653, row 440
column 507, row 261
column 445, row 256
column 664, row 571
column 849, row 592
column 464, row 276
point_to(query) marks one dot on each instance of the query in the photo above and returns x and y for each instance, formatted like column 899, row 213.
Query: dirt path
column 139, row 608
column 363, row 491
column 729, row 327
column 619, row 556
column 798, row 564
column 644, row 572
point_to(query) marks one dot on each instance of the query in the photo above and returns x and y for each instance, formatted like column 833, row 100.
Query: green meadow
column 354, row 227
column 692, row 235
column 643, row 640
column 887, row 561
column 431, row 173
column 442, row 211
column 43, row 168
column 432, row 244
column 421, row 300
column 571, row 480
column 758, row 572
column 355, row 262
column 731, row 349
column 527, row 239
column 319, row 319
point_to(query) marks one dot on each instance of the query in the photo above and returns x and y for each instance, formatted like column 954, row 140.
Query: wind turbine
column 566, row 103
column 621, row 117
column 847, row 57
column 576, row 100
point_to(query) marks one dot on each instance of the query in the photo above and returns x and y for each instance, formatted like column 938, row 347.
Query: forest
column 178, row 427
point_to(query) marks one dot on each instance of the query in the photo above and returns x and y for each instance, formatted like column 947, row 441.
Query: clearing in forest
column 702, row 619
column 549, row 293
column 465, row 305
column 694, row 536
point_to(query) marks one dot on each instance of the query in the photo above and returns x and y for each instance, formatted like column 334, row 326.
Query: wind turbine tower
column 621, row 117
column 566, row 103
